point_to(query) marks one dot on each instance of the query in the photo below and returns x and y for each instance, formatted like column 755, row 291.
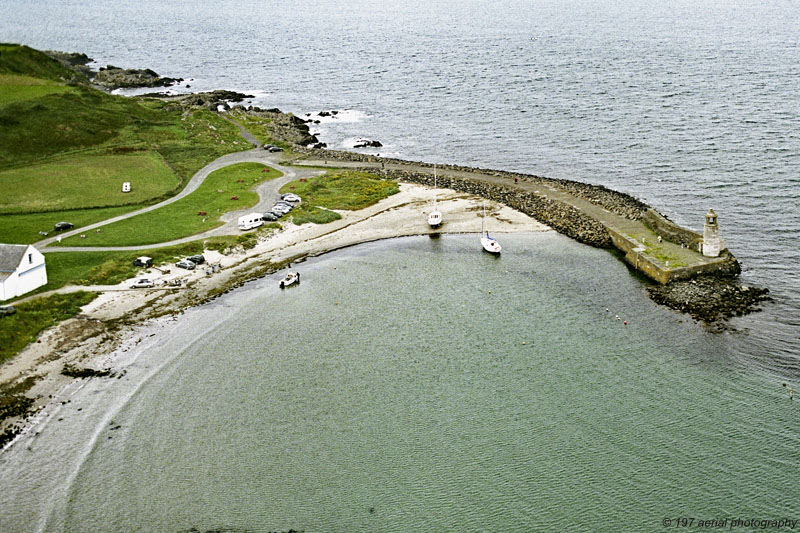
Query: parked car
column 142, row 284
column 284, row 203
column 272, row 148
column 280, row 209
column 185, row 263
column 269, row 216
column 290, row 197
column 63, row 226
column 143, row 261
column 197, row 259
column 7, row 310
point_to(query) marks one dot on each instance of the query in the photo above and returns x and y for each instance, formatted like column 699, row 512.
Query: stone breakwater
column 619, row 203
column 710, row 292
column 563, row 218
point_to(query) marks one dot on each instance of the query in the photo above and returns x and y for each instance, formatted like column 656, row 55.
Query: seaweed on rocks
column 710, row 298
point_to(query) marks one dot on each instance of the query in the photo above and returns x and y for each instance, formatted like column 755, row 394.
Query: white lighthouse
column 711, row 242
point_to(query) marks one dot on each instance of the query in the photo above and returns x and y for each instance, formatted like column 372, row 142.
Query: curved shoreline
column 104, row 324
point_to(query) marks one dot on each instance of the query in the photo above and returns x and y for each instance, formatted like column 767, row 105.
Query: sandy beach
column 101, row 333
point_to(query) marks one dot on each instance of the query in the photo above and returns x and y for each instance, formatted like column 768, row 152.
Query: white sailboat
column 435, row 217
column 489, row 244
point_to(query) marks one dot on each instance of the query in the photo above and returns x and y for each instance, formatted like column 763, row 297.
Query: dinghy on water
column 290, row 279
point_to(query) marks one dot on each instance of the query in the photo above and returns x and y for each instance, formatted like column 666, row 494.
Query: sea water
column 418, row 384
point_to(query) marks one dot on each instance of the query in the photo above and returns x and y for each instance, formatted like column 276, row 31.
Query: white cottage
column 21, row 270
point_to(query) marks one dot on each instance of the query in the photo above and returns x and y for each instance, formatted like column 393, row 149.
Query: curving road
column 267, row 191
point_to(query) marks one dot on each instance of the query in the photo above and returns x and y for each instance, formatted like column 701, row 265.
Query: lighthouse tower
column 711, row 242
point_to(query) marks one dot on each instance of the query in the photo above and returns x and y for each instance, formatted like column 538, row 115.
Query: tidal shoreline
column 85, row 345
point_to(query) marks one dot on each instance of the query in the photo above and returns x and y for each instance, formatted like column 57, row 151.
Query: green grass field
column 338, row 189
column 85, row 181
column 24, row 229
column 181, row 219
column 17, row 88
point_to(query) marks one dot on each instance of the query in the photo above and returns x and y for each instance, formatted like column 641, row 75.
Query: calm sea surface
column 394, row 393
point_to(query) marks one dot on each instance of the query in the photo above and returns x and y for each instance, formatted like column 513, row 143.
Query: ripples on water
column 391, row 391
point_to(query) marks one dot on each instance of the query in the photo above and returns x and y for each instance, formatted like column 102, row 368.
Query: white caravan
column 253, row 220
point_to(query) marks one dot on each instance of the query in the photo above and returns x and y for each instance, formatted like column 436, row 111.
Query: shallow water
column 419, row 384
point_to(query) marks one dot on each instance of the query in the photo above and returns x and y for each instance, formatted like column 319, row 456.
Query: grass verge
column 25, row 228
column 338, row 189
column 32, row 317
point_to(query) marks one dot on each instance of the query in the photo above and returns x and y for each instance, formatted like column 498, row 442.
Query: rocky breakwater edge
column 712, row 298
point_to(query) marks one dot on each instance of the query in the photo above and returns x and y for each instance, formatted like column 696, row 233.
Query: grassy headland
column 65, row 146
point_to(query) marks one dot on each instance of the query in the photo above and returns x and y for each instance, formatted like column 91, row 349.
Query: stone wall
column 670, row 231
column 563, row 218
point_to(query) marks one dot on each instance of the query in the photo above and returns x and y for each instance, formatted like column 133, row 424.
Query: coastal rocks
column 73, row 60
column 112, row 77
column 709, row 298
column 209, row 100
column 284, row 126
column 366, row 143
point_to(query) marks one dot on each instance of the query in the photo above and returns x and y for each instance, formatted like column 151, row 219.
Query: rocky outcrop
column 112, row 77
column 73, row 61
column 709, row 298
column 284, row 126
column 210, row 100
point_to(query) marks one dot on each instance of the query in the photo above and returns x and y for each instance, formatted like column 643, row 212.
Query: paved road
column 267, row 191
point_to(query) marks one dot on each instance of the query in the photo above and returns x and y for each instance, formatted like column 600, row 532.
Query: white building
column 21, row 270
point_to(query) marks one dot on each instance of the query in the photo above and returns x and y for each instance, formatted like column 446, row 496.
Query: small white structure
column 22, row 270
column 711, row 240
column 126, row 186
column 253, row 220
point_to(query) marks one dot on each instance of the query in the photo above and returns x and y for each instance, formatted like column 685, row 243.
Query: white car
column 290, row 197
column 143, row 283
column 282, row 209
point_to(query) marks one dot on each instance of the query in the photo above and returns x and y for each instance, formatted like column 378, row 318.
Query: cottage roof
column 10, row 257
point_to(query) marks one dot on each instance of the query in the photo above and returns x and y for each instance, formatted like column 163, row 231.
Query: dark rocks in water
column 112, row 77
column 320, row 145
column 324, row 114
column 366, row 143
column 709, row 298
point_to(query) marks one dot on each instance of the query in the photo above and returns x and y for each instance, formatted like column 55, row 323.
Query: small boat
column 489, row 244
column 435, row 217
column 290, row 279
